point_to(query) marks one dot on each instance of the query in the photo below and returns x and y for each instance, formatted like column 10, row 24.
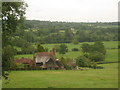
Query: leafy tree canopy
column 63, row 49
column 12, row 20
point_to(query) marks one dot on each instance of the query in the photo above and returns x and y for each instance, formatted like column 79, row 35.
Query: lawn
column 92, row 78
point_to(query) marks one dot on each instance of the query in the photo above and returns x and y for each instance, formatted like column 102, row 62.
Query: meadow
column 91, row 78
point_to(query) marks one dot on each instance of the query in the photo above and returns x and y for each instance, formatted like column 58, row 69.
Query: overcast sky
column 73, row 10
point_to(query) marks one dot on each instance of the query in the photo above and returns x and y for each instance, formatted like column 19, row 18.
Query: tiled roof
column 24, row 61
column 45, row 56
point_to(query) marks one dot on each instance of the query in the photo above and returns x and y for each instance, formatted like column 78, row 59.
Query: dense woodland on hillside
column 66, row 32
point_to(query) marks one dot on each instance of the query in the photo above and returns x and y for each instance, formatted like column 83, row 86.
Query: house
column 26, row 61
column 46, row 60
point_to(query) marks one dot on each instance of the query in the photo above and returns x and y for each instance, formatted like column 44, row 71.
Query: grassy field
column 92, row 78
column 111, row 55
column 108, row 44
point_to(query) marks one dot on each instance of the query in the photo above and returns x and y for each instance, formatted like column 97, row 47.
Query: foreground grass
column 92, row 78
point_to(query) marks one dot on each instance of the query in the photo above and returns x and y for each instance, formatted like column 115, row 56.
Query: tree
column 65, row 62
column 68, row 35
column 20, row 42
column 6, row 53
column 28, row 50
column 40, row 48
column 75, row 49
column 12, row 19
column 85, row 47
column 75, row 41
column 63, row 49
column 99, row 47
column 82, row 61
column 57, row 48
column 96, row 56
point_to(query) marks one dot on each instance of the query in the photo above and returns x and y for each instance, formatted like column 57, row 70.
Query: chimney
column 53, row 51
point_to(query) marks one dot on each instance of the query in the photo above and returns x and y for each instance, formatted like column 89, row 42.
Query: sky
column 72, row 10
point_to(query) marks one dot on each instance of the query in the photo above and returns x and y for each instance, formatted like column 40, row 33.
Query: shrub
column 75, row 41
column 63, row 49
column 96, row 56
column 118, row 46
column 57, row 48
column 40, row 48
column 28, row 50
column 98, row 47
column 86, row 55
column 85, row 48
column 75, row 49
column 46, row 49
column 65, row 63
column 82, row 61
column 93, row 65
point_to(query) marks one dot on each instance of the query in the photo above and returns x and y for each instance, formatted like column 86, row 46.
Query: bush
column 40, row 48
column 27, row 50
column 96, row 56
column 75, row 41
column 57, row 48
column 98, row 47
column 63, row 49
column 85, row 48
column 93, row 65
column 65, row 62
column 82, row 61
column 118, row 46
column 75, row 49
column 46, row 49
column 86, row 55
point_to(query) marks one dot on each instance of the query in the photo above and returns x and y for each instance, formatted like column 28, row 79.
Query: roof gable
column 44, row 57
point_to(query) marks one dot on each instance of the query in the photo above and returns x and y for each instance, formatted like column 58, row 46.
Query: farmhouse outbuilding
column 46, row 60
column 26, row 61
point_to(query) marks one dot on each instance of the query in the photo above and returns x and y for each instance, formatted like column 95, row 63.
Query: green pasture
column 111, row 55
column 91, row 78
column 108, row 44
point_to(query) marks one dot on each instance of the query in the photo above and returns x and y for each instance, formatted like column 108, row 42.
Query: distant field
column 92, row 78
column 108, row 44
column 111, row 55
